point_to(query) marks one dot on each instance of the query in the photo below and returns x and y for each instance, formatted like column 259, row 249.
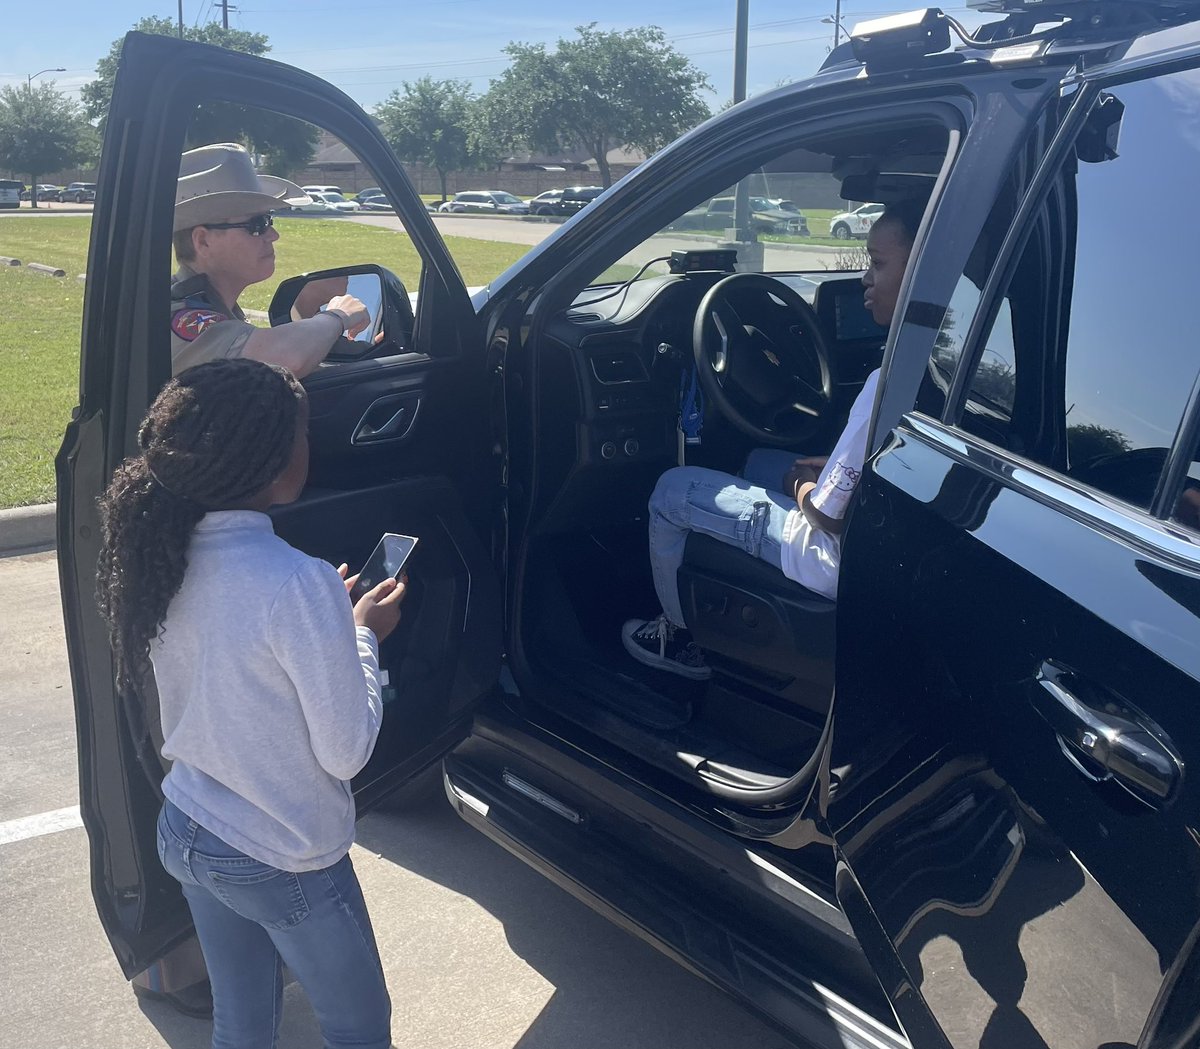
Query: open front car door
column 399, row 435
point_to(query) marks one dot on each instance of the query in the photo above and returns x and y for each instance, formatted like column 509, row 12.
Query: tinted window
column 1090, row 361
column 988, row 412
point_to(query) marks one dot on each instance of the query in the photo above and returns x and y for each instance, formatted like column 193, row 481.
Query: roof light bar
column 900, row 40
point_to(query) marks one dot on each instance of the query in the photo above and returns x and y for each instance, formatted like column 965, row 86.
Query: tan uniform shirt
column 203, row 328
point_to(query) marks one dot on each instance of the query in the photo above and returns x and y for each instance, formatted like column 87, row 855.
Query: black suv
column 571, row 200
column 951, row 809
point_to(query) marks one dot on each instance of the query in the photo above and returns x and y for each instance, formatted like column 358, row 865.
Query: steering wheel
column 762, row 359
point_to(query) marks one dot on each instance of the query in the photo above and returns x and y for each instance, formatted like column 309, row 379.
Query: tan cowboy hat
column 218, row 182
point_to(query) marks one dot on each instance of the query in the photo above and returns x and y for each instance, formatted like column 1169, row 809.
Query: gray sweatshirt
column 269, row 694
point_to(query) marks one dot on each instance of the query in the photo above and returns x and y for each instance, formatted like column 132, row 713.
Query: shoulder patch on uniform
column 189, row 324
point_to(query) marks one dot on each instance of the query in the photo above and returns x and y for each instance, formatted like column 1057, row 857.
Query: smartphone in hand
column 388, row 559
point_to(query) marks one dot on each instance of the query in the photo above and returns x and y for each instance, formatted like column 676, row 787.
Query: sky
column 369, row 48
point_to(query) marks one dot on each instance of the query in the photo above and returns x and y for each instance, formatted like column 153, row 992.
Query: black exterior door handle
column 1107, row 738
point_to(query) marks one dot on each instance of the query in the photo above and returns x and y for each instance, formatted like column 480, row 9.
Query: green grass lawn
column 40, row 319
column 40, row 316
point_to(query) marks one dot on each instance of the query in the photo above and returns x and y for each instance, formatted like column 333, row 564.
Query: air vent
column 617, row 367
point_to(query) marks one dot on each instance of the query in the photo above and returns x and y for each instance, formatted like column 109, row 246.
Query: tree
column 97, row 94
column 285, row 143
column 41, row 130
column 1087, row 441
column 431, row 122
column 598, row 92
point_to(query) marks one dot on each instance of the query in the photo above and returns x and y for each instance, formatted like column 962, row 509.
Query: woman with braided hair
column 269, row 697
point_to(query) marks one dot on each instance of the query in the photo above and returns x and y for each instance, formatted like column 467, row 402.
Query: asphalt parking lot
column 480, row 952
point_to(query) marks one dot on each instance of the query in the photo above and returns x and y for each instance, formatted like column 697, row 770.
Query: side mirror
column 1100, row 134
column 381, row 291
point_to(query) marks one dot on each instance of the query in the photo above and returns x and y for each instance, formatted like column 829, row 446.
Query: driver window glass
column 948, row 351
column 1089, row 364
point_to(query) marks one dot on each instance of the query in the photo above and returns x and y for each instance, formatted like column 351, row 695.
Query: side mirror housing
column 380, row 290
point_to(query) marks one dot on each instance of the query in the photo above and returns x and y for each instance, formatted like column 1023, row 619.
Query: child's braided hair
column 216, row 435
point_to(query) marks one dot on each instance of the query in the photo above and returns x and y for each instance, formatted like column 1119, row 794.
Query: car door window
column 1089, row 363
column 313, row 235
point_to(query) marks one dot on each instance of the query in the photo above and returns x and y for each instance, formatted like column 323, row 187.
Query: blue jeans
column 748, row 512
column 252, row 918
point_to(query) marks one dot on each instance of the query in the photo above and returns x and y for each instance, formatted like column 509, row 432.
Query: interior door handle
column 1107, row 738
column 388, row 419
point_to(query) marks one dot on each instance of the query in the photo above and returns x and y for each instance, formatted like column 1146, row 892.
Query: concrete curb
column 26, row 528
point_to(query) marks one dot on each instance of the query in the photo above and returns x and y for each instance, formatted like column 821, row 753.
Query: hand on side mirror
column 358, row 317
column 370, row 300
column 315, row 294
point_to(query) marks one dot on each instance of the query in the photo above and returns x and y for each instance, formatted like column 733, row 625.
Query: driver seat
column 762, row 627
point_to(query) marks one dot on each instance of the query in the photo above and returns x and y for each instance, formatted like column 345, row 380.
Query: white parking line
column 40, row 824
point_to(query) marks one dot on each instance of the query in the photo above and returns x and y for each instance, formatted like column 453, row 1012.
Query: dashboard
column 621, row 355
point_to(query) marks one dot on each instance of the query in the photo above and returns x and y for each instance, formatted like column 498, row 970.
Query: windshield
column 507, row 198
column 774, row 239
column 778, row 216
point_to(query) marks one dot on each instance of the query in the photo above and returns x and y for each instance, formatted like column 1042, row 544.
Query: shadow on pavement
column 552, row 974
column 608, row 990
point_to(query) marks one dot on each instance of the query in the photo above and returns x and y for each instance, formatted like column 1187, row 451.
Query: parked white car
column 325, row 204
column 336, row 200
column 856, row 223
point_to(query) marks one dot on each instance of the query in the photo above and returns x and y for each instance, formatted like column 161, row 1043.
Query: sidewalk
column 24, row 529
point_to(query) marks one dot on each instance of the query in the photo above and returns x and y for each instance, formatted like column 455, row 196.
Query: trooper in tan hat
column 225, row 241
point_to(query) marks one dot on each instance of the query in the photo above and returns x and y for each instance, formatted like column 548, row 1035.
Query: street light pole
column 33, row 76
column 33, row 201
column 835, row 20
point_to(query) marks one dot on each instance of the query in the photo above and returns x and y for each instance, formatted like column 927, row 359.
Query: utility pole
column 740, row 233
column 740, row 43
column 180, row 19
column 225, row 14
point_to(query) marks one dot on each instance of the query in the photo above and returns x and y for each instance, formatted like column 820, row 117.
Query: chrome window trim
column 1122, row 521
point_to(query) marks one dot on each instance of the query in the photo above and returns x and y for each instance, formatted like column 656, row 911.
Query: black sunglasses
column 256, row 226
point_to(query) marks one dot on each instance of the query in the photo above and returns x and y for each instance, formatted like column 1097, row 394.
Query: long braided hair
column 215, row 436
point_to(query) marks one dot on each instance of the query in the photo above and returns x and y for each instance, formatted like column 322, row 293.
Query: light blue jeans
column 251, row 918
column 747, row 512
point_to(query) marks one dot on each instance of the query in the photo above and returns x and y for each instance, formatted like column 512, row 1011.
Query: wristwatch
column 341, row 317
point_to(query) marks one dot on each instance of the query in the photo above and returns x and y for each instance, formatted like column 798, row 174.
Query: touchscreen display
column 854, row 320
column 387, row 560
